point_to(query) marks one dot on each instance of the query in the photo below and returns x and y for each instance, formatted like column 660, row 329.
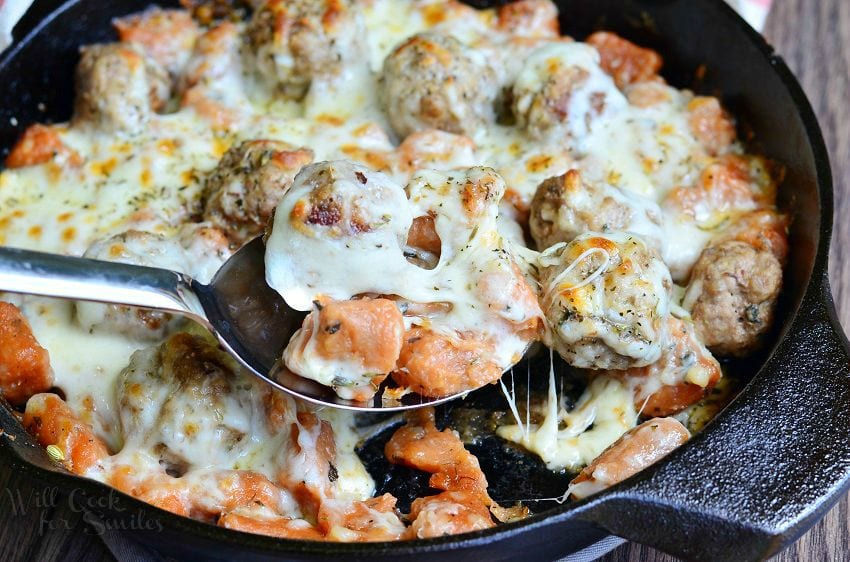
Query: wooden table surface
column 814, row 38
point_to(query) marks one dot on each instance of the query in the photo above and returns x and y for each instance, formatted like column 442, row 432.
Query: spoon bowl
column 251, row 320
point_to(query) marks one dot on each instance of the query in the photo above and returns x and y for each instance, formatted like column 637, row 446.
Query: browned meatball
column 243, row 190
column 292, row 42
column 118, row 87
column 561, row 93
column 732, row 296
column 565, row 207
column 607, row 301
column 432, row 81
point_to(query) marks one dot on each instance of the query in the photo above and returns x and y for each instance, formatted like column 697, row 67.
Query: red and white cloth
column 10, row 12
column 754, row 11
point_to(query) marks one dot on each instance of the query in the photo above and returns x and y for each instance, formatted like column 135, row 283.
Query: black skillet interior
column 763, row 472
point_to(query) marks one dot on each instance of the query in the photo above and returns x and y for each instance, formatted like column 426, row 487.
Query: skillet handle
column 771, row 465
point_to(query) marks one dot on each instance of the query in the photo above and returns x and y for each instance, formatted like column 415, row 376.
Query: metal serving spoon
column 250, row 319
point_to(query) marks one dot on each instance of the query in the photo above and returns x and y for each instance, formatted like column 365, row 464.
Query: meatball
column 293, row 42
column 243, row 190
column 199, row 251
column 185, row 402
column 565, row 207
column 561, row 92
column 118, row 87
column 137, row 248
column 215, row 61
column 606, row 298
column 432, row 81
column 338, row 231
column 206, row 247
column 211, row 81
column 732, row 296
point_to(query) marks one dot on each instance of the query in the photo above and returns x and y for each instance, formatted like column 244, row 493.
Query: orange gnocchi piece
column 51, row 421
column 623, row 60
column 711, row 125
column 24, row 364
column 641, row 447
column 420, row 445
column 38, row 145
column 434, row 364
column 273, row 526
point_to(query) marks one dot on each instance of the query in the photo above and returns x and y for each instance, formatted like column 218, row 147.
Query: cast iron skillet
column 763, row 472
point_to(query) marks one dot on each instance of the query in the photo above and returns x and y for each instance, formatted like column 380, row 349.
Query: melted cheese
column 302, row 266
column 572, row 439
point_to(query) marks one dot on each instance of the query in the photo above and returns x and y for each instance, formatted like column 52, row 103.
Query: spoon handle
column 52, row 275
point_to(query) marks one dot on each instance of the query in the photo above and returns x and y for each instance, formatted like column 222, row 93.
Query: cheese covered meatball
column 606, row 298
column 137, row 248
column 118, row 87
column 561, row 92
column 293, row 42
column 199, row 250
column 212, row 83
column 339, row 232
column 206, row 247
column 243, row 190
column 186, row 402
column 732, row 296
column 432, row 81
column 565, row 207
